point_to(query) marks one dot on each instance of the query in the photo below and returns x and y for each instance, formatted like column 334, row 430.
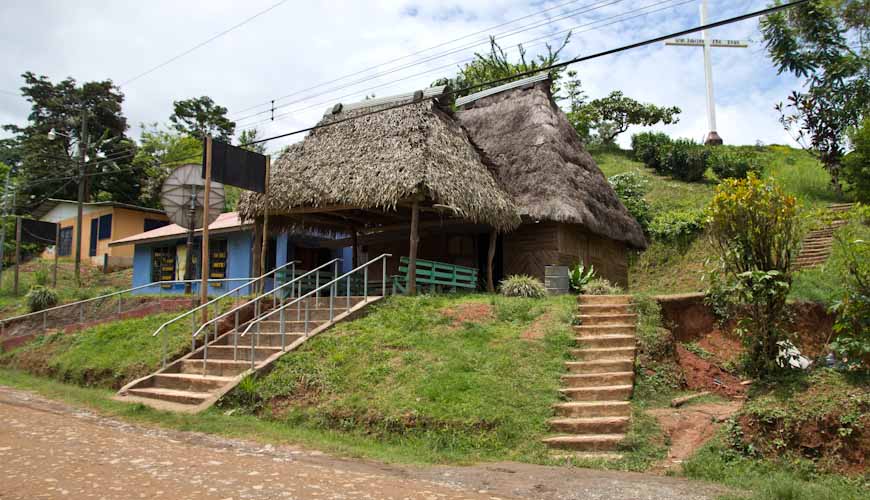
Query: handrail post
column 192, row 332
column 299, row 304
column 44, row 321
column 317, row 288
column 163, row 339
column 384, row 277
column 81, row 312
column 305, row 329
column 236, row 338
column 347, row 294
column 216, row 322
column 252, row 352
column 365, row 284
column 120, row 298
column 281, row 327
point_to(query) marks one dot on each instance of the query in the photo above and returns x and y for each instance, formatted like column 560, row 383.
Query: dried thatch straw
column 543, row 164
column 379, row 160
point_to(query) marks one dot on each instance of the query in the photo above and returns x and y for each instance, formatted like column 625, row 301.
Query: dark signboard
column 37, row 231
column 235, row 166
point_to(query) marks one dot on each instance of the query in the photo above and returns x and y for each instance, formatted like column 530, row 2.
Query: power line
column 623, row 48
column 201, row 44
column 641, row 12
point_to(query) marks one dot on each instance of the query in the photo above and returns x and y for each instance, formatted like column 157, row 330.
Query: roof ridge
column 429, row 93
column 501, row 88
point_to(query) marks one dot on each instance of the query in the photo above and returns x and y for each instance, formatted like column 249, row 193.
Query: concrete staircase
column 196, row 381
column 816, row 246
column 599, row 382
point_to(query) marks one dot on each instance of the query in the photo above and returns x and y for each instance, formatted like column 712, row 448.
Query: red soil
column 703, row 375
column 469, row 313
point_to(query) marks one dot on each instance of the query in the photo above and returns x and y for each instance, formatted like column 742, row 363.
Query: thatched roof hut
column 543, row 164
column 379, row 162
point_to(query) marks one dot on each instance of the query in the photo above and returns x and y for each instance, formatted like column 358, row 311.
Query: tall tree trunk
column 412, row 252
column 490, row 257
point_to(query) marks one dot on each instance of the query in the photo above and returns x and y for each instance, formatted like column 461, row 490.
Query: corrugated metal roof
column 431, row 92
column 501, row 88
column 226, row 222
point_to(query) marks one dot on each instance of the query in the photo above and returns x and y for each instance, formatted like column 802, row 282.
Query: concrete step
column 814, row 253
column 590, row 425
column 608, row 319
column 598, row 379
column 172, row 395
column 585, row 409
column 264, row 339
column 290, row 325
column 605, row 353
column 604, row 299
column 602, row 341
column 589, row 442
column 318, row 313
column 584, row 455
column 599, row 393
column 600, row 366
column 217, row 367
column 583, row 330
column 585, row 309
column 189, row 382
column 240, row 353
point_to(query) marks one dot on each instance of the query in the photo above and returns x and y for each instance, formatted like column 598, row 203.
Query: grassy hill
column 667, row 268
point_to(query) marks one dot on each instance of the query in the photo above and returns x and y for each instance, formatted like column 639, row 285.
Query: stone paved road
column 50, row 450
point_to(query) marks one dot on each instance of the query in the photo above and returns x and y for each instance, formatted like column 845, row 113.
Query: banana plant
column 580, row 276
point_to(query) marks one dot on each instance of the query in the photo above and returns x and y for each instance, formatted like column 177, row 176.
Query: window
column 65, row 243
column 105, row 227
column 163, row 264
column 154, row 224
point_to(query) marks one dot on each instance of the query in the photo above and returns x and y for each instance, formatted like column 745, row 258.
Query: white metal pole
column 708, row 71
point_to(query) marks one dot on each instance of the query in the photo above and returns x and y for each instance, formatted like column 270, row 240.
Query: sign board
column 237, row 167
column 699, row 42
column 37, row 231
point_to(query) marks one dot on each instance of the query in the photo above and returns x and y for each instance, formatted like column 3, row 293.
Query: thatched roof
column 381, row 160
column 543, row 164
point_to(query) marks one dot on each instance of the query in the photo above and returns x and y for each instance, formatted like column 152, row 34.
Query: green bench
column 436, row 275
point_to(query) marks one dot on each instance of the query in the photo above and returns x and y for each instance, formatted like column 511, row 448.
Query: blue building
column 160, row 254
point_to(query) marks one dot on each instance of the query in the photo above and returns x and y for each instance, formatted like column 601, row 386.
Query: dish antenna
column 182, row 197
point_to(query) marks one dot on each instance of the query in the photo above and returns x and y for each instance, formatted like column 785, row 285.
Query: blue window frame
column 105, row 226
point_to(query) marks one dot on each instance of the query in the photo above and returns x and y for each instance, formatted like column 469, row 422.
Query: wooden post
column 17, row 254
column 256, row 254
column 490, row 256
column 264, row 247
column 412, row 252
column 354, row 238
column 204, row 260
column 56, row 255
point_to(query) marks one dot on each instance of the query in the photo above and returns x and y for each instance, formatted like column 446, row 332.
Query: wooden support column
column 354, row 239
column 490, row 256
column 56, row 256
column 264, row 247
column 17, row 254
column 204, row 266
column 257, row 254
column 412, row 252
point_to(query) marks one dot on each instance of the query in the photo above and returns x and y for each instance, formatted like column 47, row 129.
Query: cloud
column 301, row 45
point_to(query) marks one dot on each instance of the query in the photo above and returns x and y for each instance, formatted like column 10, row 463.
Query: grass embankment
column 790, row 438
column 669, row 268
column 39, row 272
column 107, row 355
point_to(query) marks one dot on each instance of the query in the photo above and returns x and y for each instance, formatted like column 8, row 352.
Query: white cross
column 707, row 43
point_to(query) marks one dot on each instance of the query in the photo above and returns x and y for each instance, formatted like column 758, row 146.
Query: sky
column 307, row 56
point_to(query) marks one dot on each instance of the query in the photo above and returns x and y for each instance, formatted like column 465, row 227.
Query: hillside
column 668, row 268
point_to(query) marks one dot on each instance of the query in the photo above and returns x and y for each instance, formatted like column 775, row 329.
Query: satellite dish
column 185, row 184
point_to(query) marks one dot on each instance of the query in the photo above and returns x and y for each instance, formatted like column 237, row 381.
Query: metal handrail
column 82, row 302
column 258, row 298
column 200, row 307
column 365, row 266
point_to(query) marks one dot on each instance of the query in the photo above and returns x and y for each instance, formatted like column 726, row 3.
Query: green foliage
column 580, row 276
column 728, row 163
column 521, row 285
column 600, row 286
column 41, row 275
column 828, row 44
column 200, row 116
column 754, row 227
column 853, row 313
column 646, row 146
column 658, row 375
column 160, row 152
column 680, row 227
column 39, row 297
column 631, row 187
column 856, row 165
column 683, row 159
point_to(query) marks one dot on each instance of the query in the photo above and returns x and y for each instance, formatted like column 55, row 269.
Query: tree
column 200, row 116
column 160, row 152
column 827, row 43
column 50, row 168
column 495, row 65
column 856, row 165
column 251, row 135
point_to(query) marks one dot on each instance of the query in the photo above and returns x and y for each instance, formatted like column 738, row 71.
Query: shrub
column 631, row 188
column 646, row 146
column 754, row 227
column 678, row 226
column 601, row 286
column 856, row 165
column 852, row 325
column 580, row 276
column 730, row 164
column 683, row 159
column 40, row 297
column 40, row 276
column 520, row 285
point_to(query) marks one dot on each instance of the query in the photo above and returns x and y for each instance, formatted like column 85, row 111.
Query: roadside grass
column 107, row 355
column 825, row 283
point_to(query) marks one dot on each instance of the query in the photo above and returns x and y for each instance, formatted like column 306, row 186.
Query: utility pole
column 3, row 224
column 83, row 148
column 17, row 254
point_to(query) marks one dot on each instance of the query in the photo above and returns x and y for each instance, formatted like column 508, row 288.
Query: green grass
column 106, row 355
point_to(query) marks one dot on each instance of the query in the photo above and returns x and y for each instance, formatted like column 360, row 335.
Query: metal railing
column 257, row 301
column 333, row 289
column 120, row 293
column 215, row 301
